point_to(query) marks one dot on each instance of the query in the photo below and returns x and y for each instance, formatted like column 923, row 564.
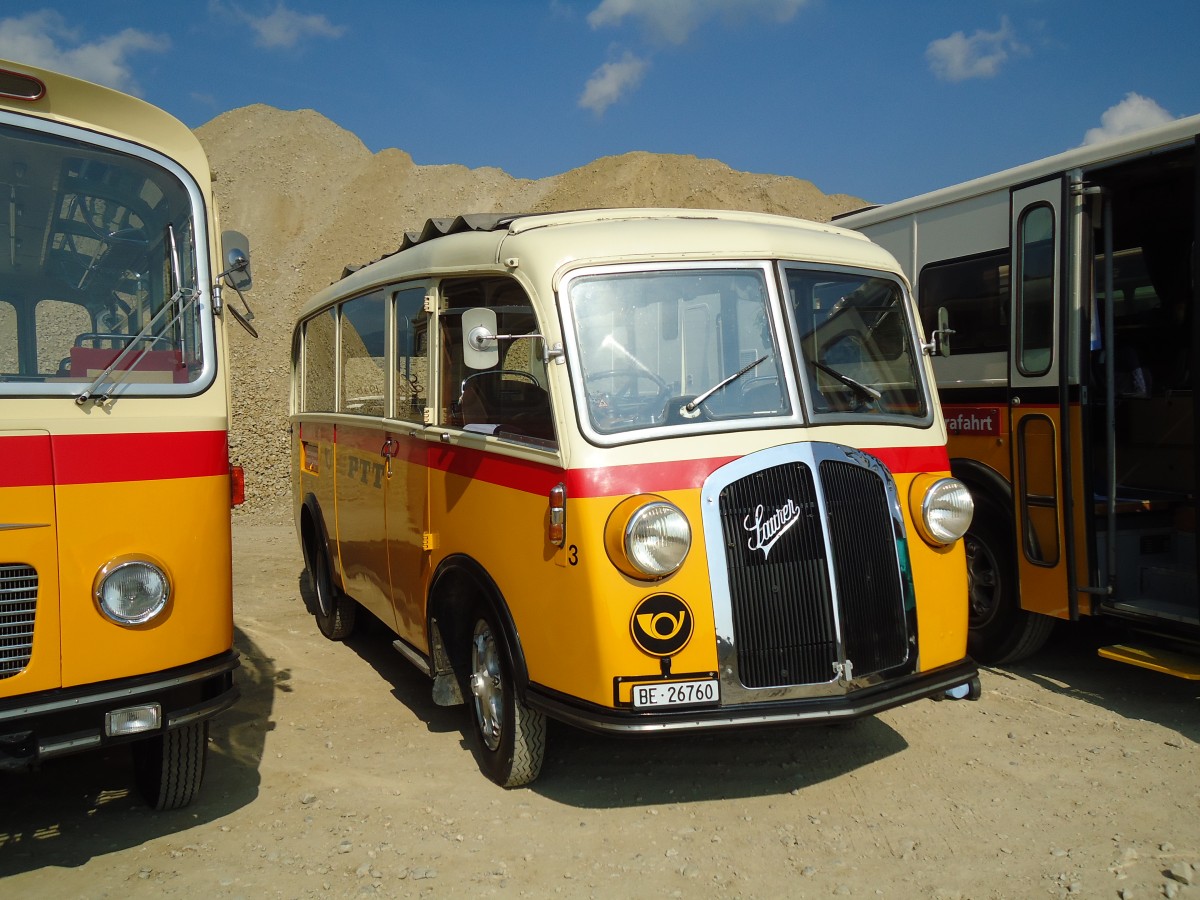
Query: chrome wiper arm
column 863, row 389
column 692, row 405
column 192, row 295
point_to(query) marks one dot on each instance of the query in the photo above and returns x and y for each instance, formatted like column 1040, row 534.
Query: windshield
column 676, row 346
column 855, row 343
column 98, row 281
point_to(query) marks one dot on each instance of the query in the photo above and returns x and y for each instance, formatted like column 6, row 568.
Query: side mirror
column 481, row 349
column 235, row 253
column 939, row 340
column 941, row 337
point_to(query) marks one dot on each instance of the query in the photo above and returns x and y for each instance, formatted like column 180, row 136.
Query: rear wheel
column 170, row 767
column 1000, row 631
column 511, row 736
column 335, row 612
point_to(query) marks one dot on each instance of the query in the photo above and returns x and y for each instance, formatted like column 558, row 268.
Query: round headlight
column 657, row 538
column 647, row 537
column 946, row 511
column 131, row 592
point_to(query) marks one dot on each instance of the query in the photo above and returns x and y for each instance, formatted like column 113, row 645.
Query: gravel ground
column 337, row 776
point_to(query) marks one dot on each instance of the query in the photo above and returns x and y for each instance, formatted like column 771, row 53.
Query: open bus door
column 1141, row 437
column 1036, row 394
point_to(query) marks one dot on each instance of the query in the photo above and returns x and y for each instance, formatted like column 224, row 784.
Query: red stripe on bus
column 24, row 461
column 104, row 458
column 148, row 456
column 609, row 481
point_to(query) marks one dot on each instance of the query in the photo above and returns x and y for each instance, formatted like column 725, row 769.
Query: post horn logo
column 661, row 625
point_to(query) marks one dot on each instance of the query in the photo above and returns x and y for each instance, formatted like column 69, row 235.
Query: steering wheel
column 622, row 402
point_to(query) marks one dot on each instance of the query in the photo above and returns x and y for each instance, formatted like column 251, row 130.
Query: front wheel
column 170, row 767
column 1000, row 630
column 511, row 736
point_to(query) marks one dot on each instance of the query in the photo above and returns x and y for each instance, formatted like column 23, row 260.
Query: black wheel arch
column 984, row 483
column 459, row 585
column 313, row 536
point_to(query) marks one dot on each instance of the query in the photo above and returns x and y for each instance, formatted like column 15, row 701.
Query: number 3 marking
column 573, row 555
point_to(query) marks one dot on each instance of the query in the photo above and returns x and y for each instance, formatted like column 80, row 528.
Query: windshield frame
column 913, row 338
column 113, row 388
column 783, row 324
column 701, row 424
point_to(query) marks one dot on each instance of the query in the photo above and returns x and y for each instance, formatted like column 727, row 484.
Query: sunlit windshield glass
column 855, row 344
column 676, row 347
column 97, row 268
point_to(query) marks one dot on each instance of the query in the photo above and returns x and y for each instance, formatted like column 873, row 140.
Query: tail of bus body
column 116, row 620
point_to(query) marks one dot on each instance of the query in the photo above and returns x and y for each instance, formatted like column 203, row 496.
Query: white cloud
column 958, row 57
column 1134, row 113
column 46, row 40
column 282, row 27
column 675, row 20
column 612, row 81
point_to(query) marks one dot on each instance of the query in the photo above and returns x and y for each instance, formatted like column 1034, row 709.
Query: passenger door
column 406, row 461
column 1035, row 275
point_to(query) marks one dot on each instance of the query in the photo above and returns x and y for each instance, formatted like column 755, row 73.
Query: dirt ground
column 337, row 776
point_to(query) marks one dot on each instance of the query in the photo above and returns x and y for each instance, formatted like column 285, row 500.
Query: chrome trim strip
column 16, row 526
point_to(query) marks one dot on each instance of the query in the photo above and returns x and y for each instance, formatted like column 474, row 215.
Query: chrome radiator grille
column 782, row 569
column 18, row 602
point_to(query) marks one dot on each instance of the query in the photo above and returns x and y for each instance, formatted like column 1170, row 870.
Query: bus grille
column 18, row 603
column 780, row 575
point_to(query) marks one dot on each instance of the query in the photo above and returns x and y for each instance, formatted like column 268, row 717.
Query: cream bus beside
column 637, row 470
column 1062, row 296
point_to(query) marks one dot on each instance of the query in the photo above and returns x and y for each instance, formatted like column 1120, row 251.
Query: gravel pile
column 312, row 198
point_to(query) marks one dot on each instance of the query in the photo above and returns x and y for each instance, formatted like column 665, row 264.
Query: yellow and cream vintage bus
column 638, row 470
column 116, row 617
column 1062, row 297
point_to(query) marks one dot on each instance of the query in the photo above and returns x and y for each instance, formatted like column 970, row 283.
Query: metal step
column 1168, row 662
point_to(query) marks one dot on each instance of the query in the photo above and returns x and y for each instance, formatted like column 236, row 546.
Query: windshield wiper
column 691, row 408
column 181, row 293
column 863, row 390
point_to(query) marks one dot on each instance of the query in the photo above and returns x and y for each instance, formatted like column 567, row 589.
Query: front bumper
column 826, row 709
column 34, row 727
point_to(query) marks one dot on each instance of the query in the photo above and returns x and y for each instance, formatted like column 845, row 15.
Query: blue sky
column 882, row 99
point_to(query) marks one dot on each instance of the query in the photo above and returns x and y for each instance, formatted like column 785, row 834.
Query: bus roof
column 547, row 241
column 72, row 101
column 1176, row 133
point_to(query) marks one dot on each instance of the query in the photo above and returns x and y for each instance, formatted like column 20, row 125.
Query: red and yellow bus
column 636, row 470
column 116, row 617
column 1062, row 297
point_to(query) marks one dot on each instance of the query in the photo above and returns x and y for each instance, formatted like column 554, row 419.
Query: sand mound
column 312, row 198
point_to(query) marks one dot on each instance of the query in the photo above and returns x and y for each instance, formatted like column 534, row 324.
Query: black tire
column 1000, row 631
column 510, row 737
column 335, row 612
column 169, row 768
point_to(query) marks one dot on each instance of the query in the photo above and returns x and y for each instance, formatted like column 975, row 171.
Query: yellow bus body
column 115, row 541
column 436, row 524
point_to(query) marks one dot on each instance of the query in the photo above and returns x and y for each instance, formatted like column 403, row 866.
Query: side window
column 363, row 362
column 1035, row 298
column 10, row 360
column 318, row 360
column 412, row 355
column 974, row 291
column 507, row 397
column 58, row 323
